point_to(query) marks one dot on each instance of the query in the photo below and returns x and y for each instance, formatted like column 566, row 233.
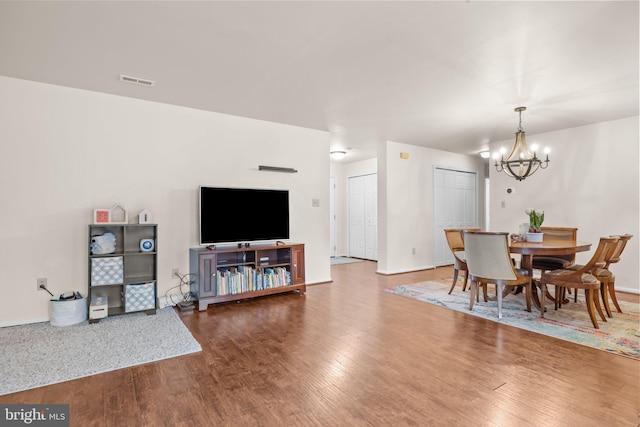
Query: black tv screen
column 242, row 215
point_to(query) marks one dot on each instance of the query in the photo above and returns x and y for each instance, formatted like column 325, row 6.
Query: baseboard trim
column 628, row 290
column 406, row 270
column 23, row 322
column 319, row 282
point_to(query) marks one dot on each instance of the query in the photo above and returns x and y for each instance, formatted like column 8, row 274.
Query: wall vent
column 137, row 81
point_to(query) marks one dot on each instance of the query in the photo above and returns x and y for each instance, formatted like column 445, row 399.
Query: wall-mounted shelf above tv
column 276, row 169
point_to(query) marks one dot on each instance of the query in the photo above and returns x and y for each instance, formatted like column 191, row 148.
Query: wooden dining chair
column 555, row 262
column 579, row 277
column 489, row 261
column 607, row 278
column 455, row 240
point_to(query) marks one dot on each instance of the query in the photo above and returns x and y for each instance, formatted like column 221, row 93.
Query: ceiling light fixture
column 338, row 154
column 485, row 154
column 521, row 162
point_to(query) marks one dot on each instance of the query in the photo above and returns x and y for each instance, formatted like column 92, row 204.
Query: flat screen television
column 242, row 215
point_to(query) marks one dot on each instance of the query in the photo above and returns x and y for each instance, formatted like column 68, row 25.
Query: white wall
column 67, row 151
column 405, row 203
column 591, row 183
column 342, row 172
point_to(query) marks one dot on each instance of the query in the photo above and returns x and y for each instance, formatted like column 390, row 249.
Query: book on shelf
column 244, row 278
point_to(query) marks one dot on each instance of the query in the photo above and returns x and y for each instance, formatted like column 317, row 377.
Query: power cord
column 182, row 298
column 45, row 288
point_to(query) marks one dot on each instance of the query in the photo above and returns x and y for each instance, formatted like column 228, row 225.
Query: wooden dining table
column 548, row 247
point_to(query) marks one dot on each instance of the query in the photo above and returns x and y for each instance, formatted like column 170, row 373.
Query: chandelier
column 521, row 162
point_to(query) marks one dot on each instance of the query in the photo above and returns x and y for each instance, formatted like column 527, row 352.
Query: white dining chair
column 489, row 261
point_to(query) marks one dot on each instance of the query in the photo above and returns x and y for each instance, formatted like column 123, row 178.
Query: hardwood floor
column 348, row 354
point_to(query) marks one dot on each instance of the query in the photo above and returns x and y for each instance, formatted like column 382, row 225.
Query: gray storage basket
column 68, row 312
column 139, row 297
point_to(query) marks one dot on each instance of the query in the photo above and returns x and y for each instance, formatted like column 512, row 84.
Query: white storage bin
column 139, row 297
column 68, row 312
column 99, row 308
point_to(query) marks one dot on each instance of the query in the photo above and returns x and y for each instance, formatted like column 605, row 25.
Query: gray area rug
column 337, row 260
column 39, row 354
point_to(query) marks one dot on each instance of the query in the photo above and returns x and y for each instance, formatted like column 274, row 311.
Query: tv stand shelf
column 235, row 273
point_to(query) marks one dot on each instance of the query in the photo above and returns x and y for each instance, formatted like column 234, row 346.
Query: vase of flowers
column 536, row 218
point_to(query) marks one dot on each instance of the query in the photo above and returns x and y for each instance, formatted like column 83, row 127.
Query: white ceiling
column 442, row 74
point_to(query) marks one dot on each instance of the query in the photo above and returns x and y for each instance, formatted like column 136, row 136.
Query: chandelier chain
column 520, row 122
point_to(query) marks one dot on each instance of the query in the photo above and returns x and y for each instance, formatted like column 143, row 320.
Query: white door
column 333, row 219
column 454, row 206
column 356, row 217
column 363, row 217
column 371, row 216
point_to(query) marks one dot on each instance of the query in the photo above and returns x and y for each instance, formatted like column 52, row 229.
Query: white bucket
column 68, row 312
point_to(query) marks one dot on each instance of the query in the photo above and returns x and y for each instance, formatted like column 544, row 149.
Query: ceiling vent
column 137, row 81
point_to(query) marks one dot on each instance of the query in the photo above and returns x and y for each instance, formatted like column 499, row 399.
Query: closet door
column 454, row 206
column 371, row 216
column 363, row 217
column 356, row 218
column 333, row 217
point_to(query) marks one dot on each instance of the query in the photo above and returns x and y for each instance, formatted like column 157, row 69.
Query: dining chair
column 579, row 277
column 489, row 261
column 555, row 262
column 455, row 240
column 607, row 278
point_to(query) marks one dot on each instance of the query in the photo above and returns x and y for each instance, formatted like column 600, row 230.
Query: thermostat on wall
column 146, row 245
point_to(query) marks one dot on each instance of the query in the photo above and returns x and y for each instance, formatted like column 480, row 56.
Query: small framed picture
column 101, row 216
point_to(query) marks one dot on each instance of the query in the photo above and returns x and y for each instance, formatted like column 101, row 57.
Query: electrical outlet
column 413, row 251
column 175, row 273
column 42, row 283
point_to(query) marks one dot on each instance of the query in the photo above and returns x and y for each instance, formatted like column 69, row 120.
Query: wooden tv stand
column 235, row 273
